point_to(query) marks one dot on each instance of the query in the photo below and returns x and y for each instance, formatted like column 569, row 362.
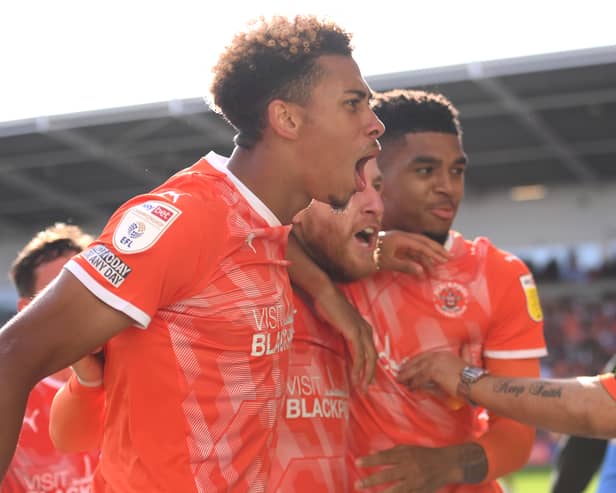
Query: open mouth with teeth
column 360, row 173
column 367, row 237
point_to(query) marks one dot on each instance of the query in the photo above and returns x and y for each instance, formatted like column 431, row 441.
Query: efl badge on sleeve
column 142, row 226
column 532, row 297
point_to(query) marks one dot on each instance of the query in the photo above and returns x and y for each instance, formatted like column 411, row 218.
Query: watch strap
column 468, row 376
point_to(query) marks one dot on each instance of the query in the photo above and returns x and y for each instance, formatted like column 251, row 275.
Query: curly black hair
column 408, row 111
column 274, row 59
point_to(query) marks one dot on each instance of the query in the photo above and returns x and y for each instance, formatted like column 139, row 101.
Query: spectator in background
column 37, row 465
column 571, row 271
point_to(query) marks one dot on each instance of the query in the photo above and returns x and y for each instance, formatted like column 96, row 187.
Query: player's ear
column 284, row 118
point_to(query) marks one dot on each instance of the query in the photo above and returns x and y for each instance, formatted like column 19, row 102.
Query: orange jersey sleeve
column 151, row 253
column 516, row 330
column 519, row 437
column 76, row 417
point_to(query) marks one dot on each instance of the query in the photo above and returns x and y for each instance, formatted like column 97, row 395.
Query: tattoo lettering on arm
column 544, row 389
column 507, row 387
column 475, row 464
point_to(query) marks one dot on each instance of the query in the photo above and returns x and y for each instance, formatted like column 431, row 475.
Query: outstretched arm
column 416, row 468
column 579, row 406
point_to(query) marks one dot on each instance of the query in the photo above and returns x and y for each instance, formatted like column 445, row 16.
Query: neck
column 438, row 237
column 270, row 175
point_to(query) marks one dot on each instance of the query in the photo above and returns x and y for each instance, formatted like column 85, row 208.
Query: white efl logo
column 143, row 225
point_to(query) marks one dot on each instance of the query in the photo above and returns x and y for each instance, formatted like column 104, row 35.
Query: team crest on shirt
column 532, row 297
column 450, row 298
column 143, row 225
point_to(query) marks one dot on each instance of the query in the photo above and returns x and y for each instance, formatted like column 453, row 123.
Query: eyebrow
column 359, row 93
column 426, row 159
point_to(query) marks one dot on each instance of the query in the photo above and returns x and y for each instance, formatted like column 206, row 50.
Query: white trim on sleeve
column 107, row 297
column 517, row 353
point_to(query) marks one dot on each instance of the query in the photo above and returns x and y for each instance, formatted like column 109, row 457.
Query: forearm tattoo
column 539, row 389
column 475, row 463
column 508, row 387
column 544, row 389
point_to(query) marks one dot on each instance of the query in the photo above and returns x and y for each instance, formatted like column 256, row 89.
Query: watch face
column 471, row 374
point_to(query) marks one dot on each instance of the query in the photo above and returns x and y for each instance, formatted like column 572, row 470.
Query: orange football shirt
column 193, row 400
column 483, row 298
column 37, row 466
column 311, row 451
column 311, row 448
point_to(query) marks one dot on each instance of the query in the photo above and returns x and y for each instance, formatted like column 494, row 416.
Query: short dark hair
column 47, row 245
column 275, row 59
column 408, row 111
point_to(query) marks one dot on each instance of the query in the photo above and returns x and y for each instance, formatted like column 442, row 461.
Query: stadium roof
column 539, row 120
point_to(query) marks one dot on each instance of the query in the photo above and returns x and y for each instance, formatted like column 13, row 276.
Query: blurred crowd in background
column 579, row 307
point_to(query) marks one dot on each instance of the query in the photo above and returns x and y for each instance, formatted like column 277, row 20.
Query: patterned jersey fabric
column 192, row 400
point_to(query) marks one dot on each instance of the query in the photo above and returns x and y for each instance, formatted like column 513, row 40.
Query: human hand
column 411, row 253
column 89, row 369
column 441, row 368
column 413, row 469
column 334, row 308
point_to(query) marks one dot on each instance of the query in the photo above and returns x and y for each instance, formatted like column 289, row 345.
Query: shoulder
column 196, row 185
column 172, row 212
column 200, row 190
column 499, row 261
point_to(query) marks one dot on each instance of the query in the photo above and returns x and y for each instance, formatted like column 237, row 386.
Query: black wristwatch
column 468, row 376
